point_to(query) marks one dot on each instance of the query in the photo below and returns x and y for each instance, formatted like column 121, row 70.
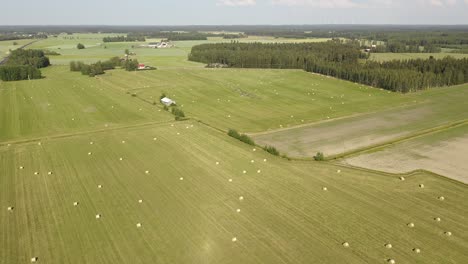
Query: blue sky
column 228, row 12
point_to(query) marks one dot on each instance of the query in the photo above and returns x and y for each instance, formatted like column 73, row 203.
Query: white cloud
column 337, row 3
column 237, row 2
column 439, row 3
column 317, row 3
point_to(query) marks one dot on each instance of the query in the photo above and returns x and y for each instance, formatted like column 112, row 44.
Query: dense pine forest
column 344, row 61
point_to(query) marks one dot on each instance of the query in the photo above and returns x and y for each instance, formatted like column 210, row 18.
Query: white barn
column 167, row 101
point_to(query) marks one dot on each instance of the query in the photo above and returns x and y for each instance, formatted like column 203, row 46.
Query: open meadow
column 93, row 170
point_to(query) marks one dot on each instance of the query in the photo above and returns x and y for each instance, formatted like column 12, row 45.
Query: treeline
column 19, row 72
column 337, row 60
column 274, row 55
column 24, row 65
column 401, row 47
column 99, row 67
column 127, row 38
column 35, row 58
column 183, row 36
column 21, row 36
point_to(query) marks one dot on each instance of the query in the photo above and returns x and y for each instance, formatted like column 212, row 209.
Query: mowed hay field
column 443, row 152
column 431, row 109
column 91, row 174
column 7, row 45
column 66, row 102
column 189, row 209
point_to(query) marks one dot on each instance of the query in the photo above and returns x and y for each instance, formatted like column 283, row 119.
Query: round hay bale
column 437, row 219
column 230, row 180
column 34, row 259
column 254, row 149
column 416, row 250
column 120, row 159
column 421, row 185
column 10, row 208
column 138, row 225
column 448, row 233
column 49, row 173
column 241, row 198
column 391, row 261
column 411, row 224
column 36, row 173
column 123, row 141
column 234, row 239
column 244, row 172
column 39, row 143
column 91, row 143
column 154, row 139
column 21, row 167
column 252, row 161
column 181, row 178
column 388, row 245
column 264, row 160
column 338, row 171
column 325, row 188
column 98, row 216
column 89, row 153
column 345, row 244
column 99, row 186
column 441, row 198
column 76, row 203
column 238, row 210
column 259, row 171
column 402, row 178
column 217, row 163
column 147, row 172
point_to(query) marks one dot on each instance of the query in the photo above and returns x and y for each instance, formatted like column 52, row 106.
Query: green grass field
column 7, row 45
column 205, row 197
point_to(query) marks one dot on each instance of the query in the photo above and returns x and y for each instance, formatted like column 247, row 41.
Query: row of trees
column 19, row 72
column 99, row 67
column 337, row 60
column 128, row 38
column 401, row 47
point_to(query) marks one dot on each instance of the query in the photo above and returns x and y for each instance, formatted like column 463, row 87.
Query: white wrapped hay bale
column 411, row 225
column 34, row 259
column 345, row 244
column 388, row 245
column 98, row 216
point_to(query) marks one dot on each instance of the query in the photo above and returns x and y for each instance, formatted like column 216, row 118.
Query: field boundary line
column 254, row 134
column 81, row 133
column 382, row 145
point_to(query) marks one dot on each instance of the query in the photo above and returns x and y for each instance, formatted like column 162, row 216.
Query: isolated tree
column 80, row 46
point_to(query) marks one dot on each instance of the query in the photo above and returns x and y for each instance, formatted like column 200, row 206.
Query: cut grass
column 285, row 216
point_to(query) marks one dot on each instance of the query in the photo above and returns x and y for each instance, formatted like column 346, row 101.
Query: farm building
column 167, row 101
column 158, row 45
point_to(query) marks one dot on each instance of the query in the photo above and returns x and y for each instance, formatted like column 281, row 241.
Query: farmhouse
column 158, row 45
column 167, row 101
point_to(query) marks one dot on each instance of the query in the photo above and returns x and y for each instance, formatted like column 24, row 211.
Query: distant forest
column 339, row 60
column 395, row 38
